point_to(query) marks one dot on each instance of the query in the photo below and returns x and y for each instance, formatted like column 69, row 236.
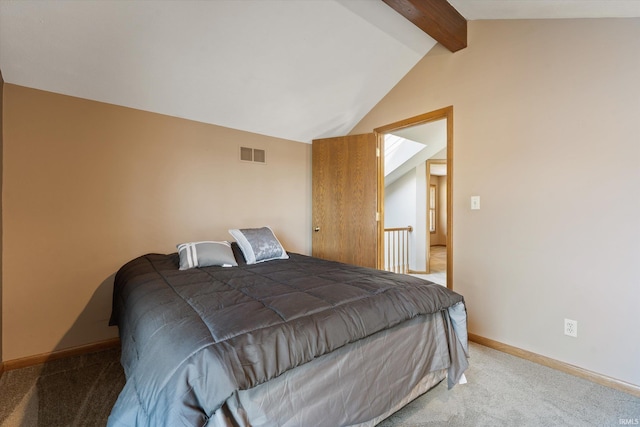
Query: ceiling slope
column 297, row 70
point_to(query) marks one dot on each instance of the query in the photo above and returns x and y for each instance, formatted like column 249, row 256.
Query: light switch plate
column 475, row 202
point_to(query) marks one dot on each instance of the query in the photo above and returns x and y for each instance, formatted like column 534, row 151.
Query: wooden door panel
column 345, row 199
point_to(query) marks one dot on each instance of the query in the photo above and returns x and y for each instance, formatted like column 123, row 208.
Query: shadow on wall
column 71, row 391
column 94, row 317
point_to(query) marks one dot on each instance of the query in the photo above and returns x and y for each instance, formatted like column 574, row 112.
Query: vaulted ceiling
column 297, row 70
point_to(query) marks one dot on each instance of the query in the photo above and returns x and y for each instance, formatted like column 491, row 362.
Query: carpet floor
column 72, row 392
column 502, row 390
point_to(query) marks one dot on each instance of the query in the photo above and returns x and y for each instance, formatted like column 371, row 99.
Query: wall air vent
column 253, row 155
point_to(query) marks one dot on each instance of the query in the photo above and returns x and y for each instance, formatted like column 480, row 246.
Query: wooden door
column 345, row 199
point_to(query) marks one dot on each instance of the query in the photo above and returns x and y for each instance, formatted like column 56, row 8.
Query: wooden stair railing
column 396, row 244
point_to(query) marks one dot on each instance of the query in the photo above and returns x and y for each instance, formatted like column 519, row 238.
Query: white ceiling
column 293, row 69
column 297, row 70
column 546, row 9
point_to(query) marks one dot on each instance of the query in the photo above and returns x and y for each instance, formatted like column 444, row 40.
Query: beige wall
column 88, row 186
column 543, row 110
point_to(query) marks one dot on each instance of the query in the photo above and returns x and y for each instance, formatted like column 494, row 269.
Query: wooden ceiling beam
column 437, row 18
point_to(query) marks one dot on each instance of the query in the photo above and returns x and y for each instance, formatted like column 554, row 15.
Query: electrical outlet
column 571, row 327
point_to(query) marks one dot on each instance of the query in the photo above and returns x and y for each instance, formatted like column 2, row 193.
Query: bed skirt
column 377, row 376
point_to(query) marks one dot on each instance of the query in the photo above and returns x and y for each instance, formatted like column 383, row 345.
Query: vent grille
column 253, row 155
column 246, row 154
column 259, row 156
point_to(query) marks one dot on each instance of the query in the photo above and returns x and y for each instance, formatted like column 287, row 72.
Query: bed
column 290, row 341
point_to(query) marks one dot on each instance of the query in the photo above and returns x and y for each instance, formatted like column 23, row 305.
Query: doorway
column 423, row 129
column 437, row 220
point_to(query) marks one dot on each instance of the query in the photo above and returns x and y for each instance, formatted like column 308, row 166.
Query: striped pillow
column 205, row 254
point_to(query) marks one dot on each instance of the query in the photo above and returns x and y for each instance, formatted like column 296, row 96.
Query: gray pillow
column 258, row 244
column 205, row 254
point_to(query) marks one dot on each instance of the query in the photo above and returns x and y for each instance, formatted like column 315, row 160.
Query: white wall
column 405, row 203
column 546, row 131
column 420, row 229
column 400, row 207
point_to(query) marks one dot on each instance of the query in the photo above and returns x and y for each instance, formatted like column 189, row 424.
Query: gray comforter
column 192, row 338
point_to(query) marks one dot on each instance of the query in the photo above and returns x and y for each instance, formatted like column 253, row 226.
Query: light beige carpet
column 502, row 390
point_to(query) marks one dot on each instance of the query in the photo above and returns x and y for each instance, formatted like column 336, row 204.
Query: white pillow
column 205, row 254
column 258, row 244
